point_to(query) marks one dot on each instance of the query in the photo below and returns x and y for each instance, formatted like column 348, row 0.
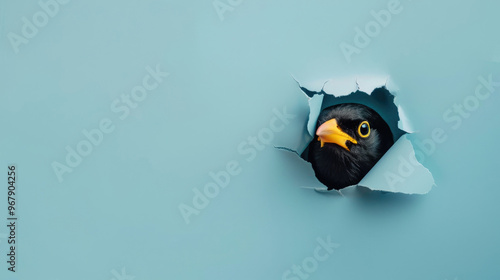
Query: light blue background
column 119, row 207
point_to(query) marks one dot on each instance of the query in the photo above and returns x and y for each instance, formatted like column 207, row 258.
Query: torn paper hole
column 398, row 170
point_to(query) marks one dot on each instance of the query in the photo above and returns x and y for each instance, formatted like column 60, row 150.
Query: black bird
column 350, row 139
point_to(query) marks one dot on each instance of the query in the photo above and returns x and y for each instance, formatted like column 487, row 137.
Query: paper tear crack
column 398, row 171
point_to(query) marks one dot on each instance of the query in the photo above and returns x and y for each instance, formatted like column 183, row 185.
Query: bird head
column 355, row 129
column 350, row 139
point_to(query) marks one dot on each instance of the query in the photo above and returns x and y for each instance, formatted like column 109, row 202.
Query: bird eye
column 364, row 129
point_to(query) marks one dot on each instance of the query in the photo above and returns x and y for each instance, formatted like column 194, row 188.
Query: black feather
column 337, row 167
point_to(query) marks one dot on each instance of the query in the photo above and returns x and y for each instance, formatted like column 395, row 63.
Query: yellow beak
column 330, row 132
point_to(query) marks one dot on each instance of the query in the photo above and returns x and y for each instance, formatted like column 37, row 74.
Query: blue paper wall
column 110, row 150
